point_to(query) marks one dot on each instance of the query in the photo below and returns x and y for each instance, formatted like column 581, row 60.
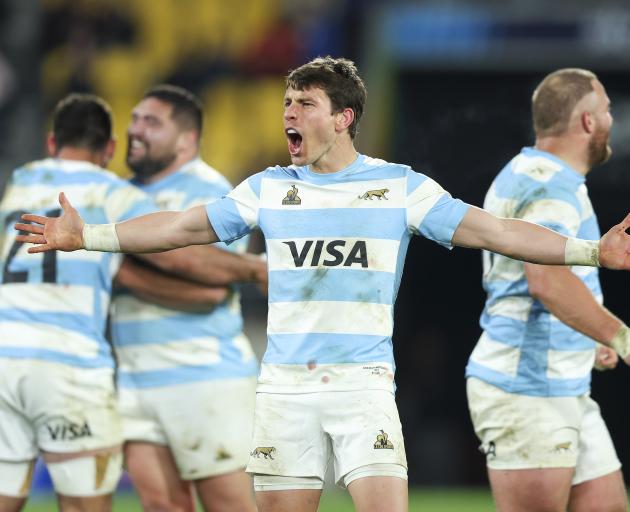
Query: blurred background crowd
column 449, row 89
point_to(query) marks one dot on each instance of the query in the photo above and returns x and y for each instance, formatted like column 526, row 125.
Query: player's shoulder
column 382, row 169
column 55, row 171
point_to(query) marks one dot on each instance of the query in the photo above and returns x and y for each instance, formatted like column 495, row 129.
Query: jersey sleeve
column 552, row 207
column 431, row 211
column 125, row 201
column 236, row 214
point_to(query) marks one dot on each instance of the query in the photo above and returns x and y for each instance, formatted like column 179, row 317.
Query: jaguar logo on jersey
column 266, row 451
column 380, row 194
column 62, row 429
column 382, row 443
column 336, row 252
column 292, row 197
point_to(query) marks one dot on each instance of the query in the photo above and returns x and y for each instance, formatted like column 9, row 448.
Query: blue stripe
column 226, row 220
column 443, row 219
column 56, row 357
column 255, row 183
column 81, row 324
column 55, row 177
column 327, row 348
column 519, row 385
column 414, row 180
column 185, row 374
column 331, row 284
column 382, row 223
column 222, row 324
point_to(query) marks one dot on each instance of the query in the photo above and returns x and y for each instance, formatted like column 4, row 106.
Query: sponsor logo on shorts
column 222, row 454
column 292, row 197
column 489, row 450
column 266, row 451
column 380, row 194
column 382, row 443
column 62, row 429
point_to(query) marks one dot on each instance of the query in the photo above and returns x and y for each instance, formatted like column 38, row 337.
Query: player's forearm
column 569, row 300
column 154, row 286
column 522, row 240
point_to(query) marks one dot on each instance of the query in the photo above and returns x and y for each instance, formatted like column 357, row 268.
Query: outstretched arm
column 530, row 242
column 156, row 232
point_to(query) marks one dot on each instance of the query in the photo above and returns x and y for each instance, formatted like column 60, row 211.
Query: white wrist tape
column 621, row 341
column 581, row 252
column 100, row 237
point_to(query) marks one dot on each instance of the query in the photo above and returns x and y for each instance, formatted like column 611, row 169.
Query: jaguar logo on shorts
column 489, row 450
column 266, row 451
column 292, row 197
column 62, row 429
column 382, row 443
column 222, row 454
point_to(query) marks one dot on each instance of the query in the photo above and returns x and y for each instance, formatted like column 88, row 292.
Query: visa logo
column 333, row 254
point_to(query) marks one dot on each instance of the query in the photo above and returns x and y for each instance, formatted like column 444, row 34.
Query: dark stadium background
column 449, row 89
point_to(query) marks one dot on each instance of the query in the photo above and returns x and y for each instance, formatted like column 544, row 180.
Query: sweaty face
column 151, row 138
column 309, row 125
column 599, row 149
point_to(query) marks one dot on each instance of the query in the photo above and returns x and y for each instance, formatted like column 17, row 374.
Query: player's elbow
column 538, row 282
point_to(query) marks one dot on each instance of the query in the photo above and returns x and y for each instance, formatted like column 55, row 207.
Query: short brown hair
column 82, row 121
column 187, row 108
column 339, row 79
column 555, row 98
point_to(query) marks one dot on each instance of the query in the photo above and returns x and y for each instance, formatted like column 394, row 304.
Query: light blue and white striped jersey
column 336, row 246
column 525, row 349
column 53, row 305
column 157, row 346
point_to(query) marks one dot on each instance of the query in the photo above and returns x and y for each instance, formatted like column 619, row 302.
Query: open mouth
column 295, row 141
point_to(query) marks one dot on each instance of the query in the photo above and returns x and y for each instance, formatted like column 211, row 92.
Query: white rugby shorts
column 295, row 434
column 207, row 425
column 56, row 408
column 532, row 432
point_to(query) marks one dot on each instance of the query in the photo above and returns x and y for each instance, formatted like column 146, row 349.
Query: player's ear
column 588, row 122
column 344, row 119
column 110, row 149
column 51, row 144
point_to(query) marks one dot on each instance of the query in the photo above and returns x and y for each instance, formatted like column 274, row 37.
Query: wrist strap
column 100, row 237
column 581, row 252
column 621, row 341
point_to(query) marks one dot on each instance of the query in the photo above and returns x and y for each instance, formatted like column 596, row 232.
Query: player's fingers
column 30, row 239
column 39, row 248
column 65, row 204
column 39, row 219
column 31, row 228
column 625, row 223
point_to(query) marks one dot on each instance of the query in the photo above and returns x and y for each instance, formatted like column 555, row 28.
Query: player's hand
column 605, row 358
column 63, row 233
column 614, row 247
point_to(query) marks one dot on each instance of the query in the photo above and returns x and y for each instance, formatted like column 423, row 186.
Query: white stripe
column 247, row 203
column 337, row 195
column 44, row 197
column 552, row 210
column 517, row 308
column 243, row 345
column 162, row 356
column 48, row 298
column 537, row 167
column 330, row 317
column 585, row 202
column 500, row 206
column 127, row 308
column 48, row 337
column 496, row 356
column 121, row 200
column 566, row 364
column 502, row 268
column 421, row 200
column 382, row 255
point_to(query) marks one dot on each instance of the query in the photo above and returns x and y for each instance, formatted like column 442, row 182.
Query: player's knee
column 95, row 475
column 16, row 478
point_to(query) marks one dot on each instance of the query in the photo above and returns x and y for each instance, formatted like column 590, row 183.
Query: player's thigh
column 208, row 425
column 365, row 432
column 302, row 500
column 156, row 478
column 11, row 504
column 379, row 494
column 228, row 492
column 531, row 490
column 288, row 438
column 85, row 504
column 606, row 493
column 524, row 432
